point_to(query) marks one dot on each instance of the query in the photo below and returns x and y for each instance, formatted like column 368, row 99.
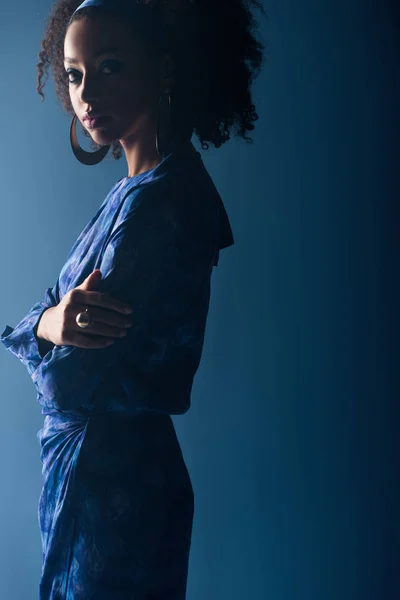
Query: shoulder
column 167, row 200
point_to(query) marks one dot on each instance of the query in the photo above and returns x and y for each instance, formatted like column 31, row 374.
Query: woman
column 116, row 509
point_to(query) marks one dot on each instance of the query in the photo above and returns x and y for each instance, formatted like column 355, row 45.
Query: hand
column 58, row 324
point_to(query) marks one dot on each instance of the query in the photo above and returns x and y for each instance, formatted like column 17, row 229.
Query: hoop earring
column 163, row 123
column 86, row 158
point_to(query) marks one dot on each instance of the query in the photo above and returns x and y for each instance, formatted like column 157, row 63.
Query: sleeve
column 156, row 261
column 21, row 340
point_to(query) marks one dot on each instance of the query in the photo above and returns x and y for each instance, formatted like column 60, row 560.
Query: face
column 123, row 84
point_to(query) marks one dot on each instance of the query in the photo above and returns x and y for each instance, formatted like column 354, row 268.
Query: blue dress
column 117, row 504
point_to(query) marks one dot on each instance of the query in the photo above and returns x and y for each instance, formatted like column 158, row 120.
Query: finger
column 109, row 321
column 100, row 330
column 91, row 341
column 104, row 300
column 102, row 323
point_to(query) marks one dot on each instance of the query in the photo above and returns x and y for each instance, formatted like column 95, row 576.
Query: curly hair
column 216, row 57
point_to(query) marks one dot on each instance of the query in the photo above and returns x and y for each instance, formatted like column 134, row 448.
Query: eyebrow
column 103, row 50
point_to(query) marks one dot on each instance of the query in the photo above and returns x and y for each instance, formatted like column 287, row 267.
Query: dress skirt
column 116, row 508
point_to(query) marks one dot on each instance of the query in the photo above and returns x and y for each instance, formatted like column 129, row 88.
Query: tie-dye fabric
column 116, row 508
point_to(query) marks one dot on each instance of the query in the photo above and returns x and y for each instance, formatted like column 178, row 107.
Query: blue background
column 292, row 439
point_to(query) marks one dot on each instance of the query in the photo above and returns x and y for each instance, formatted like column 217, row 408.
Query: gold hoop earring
column 86, row 158
column 163, row 123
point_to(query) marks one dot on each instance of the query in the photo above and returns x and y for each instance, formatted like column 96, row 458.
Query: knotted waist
column 107, row 443
column 150, row 421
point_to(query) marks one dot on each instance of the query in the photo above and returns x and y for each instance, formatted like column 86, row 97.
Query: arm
column 22, row 340
column 156, row 261
column 44, row 344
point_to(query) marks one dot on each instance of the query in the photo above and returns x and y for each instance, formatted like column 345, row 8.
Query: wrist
column 40, row 329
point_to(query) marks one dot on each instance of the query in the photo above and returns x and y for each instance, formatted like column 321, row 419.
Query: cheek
column 138, row 89
column 72, row 98
column 130, row 99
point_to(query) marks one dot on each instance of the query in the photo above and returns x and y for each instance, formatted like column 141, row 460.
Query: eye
column 114, row 65
column 70, row 72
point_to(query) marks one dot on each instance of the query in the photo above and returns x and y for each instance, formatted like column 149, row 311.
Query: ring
column 83, row 319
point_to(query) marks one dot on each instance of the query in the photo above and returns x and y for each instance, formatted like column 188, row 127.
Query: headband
column 146, row 17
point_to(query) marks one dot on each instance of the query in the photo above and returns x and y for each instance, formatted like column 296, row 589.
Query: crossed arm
column 156, row 261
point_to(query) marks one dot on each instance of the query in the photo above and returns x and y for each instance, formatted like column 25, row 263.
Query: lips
column 92, row 123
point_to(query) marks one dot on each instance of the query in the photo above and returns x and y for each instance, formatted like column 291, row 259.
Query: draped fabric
column 117, row 503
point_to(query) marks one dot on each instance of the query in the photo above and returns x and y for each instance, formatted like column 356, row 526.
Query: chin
column 103, row 138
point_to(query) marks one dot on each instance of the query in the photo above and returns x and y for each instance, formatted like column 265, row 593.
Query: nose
column 89, row 90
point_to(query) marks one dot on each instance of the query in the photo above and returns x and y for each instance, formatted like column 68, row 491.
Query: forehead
column 87, row 36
